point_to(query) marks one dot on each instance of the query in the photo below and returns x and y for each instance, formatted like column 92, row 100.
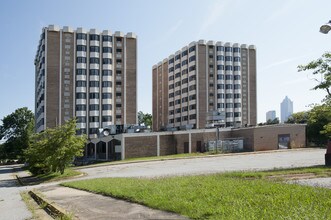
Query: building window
column 178, row 119
column 107, row 73
column 171, row 61
column 177, row 84
column 171, row 112
column 184, row 53
column 236, row 77
column 229, row 105
column 81, row 36
column 94, row 95
column 94, row 49
column 107, row 50
column 107, row 38
column 94, row 84
column 177, row 57
column 118, row 39
column 228, row 77
column 185, row 99
column 81, row 119
column 94, row 60
column 220, row 95
column 237, row 96
column 177, row 102
column 107, row 61
column 185, row 90
column 220, row 48
column 80, row 83
column 228, row 86
column 171, row 69
column 94, row 72
column 94, row 107
column 107, row 84
column 191, row 68
column 171, row 103
column 229, row 114
column 220, row 76
column 228, row 49
column 80, row 107
column 106, row 119
column 184, row 80
column 220, row 67
column 81, row 59
column 192, row 49
column 81, row 48
column 171, row 78
column 236, row 50
column 171, row 86
column 236, row 68
column 80, row 71
column 220, row 105
column 106, row 107
column 228, row 96
column 220, row 86
column 228, row 58
column 237, row 105
column 118, row 83
column 193, row 117
column 177, row 66
column 192, row 58
column 220, row 57
column 228, row 67
column 191, row 78
column 171, row 95
column 107, row 95
column 94, row 37
column 237, row 86
column 184, row 62
column 93, row 131
column 236, row 59
column 80, row 95
column 192, row 87
column 192, row 97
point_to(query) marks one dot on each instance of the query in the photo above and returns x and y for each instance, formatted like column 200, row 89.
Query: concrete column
column 95, row 151
column 123, row 148
column 107, row 146
column 189, row 143
column 158, row 145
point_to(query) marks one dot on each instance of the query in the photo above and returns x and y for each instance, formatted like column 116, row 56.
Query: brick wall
column 144, row 146
column 167, row 145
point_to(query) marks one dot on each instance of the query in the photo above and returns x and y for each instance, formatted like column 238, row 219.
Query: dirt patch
column 297, row 176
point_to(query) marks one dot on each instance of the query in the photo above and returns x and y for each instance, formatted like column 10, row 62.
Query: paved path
column 11, row 204
column 233, row 162
column 87, row 205
column 317, row 182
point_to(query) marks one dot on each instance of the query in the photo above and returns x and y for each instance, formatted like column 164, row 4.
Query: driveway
column 11, row 204
column 223, row 163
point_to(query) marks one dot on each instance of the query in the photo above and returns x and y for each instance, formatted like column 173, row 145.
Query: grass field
column 68, row 173
column 239, row 195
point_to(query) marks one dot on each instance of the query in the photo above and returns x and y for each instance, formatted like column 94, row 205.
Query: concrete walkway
column 11, row 204
column 87, row 205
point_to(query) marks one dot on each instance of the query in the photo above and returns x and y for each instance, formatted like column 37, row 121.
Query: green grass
column 220, row 196
column 68, row 173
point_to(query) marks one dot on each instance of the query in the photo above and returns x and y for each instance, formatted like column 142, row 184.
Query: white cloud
column 285, row 8
column 216, row 11
column 281, row 62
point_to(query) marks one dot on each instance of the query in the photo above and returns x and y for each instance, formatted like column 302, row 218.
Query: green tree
column 298, row 118
column 144, row 118
column 54, row 149
column 272, row 122
column 322, row 67
column 16, row 130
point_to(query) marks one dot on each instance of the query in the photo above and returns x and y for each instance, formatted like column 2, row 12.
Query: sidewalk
column 85, row 205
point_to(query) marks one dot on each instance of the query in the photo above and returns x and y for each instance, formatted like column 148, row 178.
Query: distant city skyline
column 286, row 109
column 284, row 35
column 270, row 115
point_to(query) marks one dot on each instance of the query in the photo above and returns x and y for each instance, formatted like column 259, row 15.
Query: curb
column 53, row 210
column 194, row 157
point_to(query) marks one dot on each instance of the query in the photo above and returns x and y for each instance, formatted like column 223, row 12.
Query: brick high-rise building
column 202, row 78
column 90, row 75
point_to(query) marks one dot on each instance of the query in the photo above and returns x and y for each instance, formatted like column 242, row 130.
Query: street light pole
column 325, row 28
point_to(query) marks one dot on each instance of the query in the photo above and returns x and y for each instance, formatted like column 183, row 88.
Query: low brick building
column 133, row 145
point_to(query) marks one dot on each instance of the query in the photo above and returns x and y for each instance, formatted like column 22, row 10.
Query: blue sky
column 285, row 33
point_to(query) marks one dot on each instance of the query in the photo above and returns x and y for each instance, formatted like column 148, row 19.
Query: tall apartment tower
column 90, row 75
column 202, row 78
column 286, row 109
column 271, row 115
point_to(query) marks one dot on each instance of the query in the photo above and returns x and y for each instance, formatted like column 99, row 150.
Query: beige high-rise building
column 201, row 79
column 86, row 74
